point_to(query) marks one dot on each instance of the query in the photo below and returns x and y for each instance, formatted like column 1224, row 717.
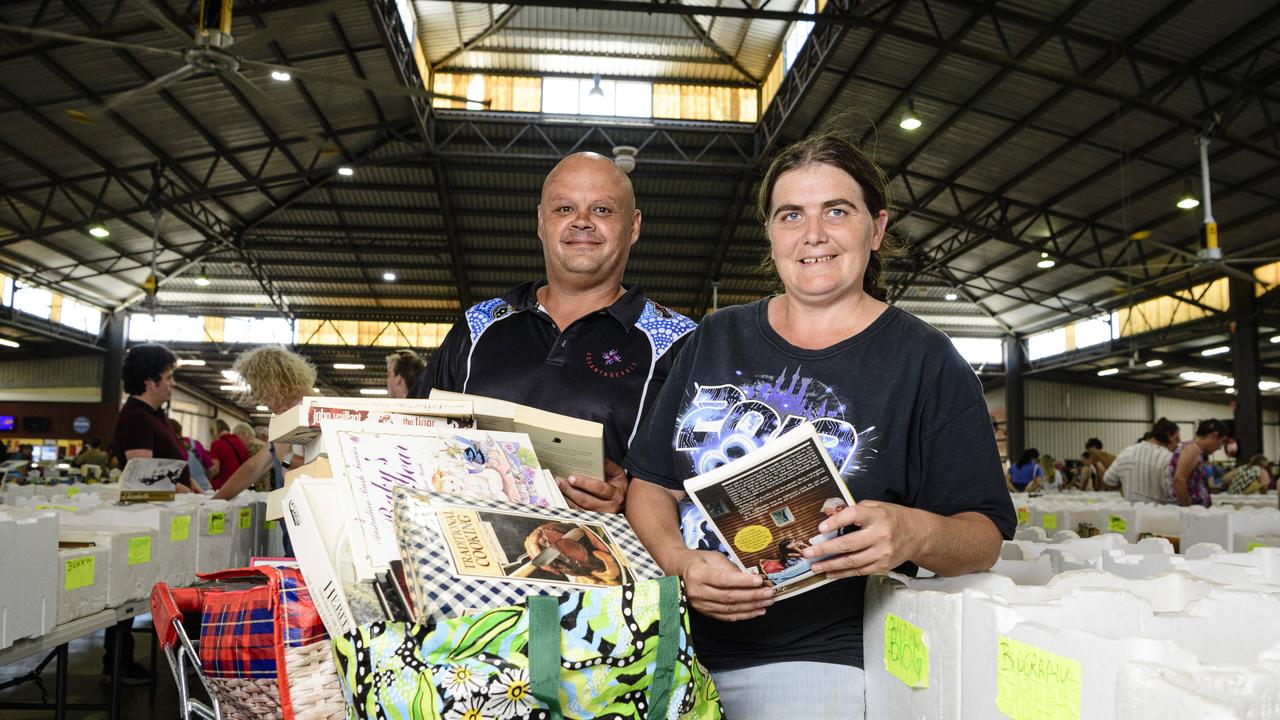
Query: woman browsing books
column 900, row 413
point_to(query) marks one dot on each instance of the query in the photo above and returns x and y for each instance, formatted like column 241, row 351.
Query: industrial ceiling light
column 1109, row 371
column 348, row 366
column 951, row 297
column 1046, row 262
column 99, row 231
column 1219, row 350
column 202, row 279
column 596, row 90
column 910, row 121
column 1275, row 339
column 373, row 391
column 345, row 171
column 389, row 276
column 1206, row 377
column 262, row 408
column 190, row 362
column 9, row 343
column 1154, row 363
column 1188, row 200
column 1267, row 385
column 281, row 76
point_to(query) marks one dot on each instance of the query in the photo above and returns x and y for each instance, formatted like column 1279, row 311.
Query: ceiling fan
column 211, row 48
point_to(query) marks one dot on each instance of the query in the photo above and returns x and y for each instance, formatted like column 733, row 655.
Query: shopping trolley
column 168, row 605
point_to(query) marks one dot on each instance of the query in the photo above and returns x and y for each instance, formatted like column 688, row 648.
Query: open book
column 146, row 479
column 565, row 445
column 766, row 507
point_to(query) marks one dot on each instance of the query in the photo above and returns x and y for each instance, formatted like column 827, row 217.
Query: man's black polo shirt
column 142, row 427
column 607, row 366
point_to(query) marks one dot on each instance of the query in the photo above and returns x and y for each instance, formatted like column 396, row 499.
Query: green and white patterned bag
column 621, row 652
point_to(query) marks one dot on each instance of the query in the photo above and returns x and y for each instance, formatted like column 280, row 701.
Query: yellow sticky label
column 270, row 524
column 79, row 573
column 1035, row 683
column 906, row 656
column 246, row 517
column 1255, row 545
column 1024, row 516
column 1117, row 524
column 73, row 490
column 140, row 550
column 752, row 538
column 217, row 523
column 1049, row 522
column 55, row 507
column 180, row 528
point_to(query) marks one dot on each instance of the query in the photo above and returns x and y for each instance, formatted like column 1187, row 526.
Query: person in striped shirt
column 1140, row 471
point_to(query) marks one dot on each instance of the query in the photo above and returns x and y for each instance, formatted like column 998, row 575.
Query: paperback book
column 370, row 461
column 766, row 507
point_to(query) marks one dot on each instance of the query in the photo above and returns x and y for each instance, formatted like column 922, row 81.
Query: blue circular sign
column 80, row 424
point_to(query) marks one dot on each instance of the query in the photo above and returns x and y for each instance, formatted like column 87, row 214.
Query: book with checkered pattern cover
column 464, row 554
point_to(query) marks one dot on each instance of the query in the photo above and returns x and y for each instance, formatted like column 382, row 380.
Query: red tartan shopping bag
column 264, row 649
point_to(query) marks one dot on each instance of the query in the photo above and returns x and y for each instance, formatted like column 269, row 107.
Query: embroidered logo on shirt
column 610, row 364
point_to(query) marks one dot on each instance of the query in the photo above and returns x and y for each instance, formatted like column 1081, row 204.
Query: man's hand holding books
column 590, row 493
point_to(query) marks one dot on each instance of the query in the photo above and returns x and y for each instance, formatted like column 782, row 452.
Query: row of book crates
column 69, row 551
column 1167, row 613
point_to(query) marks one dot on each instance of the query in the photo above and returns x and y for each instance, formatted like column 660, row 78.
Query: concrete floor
column 84, row 683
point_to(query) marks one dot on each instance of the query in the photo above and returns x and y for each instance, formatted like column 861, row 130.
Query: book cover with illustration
column 462, row 554
column 766, row 507
column 371, row 460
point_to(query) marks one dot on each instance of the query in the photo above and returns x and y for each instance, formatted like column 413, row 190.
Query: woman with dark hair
column 1189, row 465
column 901, row 414
column 1025, row 475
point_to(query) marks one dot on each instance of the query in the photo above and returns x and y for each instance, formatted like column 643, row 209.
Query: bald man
column 579, row 342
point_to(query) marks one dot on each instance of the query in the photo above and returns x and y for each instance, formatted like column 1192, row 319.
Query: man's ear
column 635, row 227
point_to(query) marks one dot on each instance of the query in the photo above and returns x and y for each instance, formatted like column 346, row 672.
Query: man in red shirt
column 229, row 453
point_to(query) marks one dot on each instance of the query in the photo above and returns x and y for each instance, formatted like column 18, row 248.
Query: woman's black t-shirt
column 904, row 420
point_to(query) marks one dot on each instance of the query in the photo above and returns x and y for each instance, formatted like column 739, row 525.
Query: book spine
column 316, row 565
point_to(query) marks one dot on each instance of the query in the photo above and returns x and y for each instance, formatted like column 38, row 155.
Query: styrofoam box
column 214, row 537
column 175, row 550
column 1223, row 525
column 937, row 606
column 89, row 594
column 28, row 575
column 131, row 566
column 1101, row 629
column 1153, row 691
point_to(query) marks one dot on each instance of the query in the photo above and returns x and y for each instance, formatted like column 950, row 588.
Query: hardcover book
column 464, row 554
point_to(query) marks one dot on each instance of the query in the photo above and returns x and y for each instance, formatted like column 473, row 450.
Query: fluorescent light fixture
column 232, row 388
column 231, row 375
column 348, row 366
column 262, row 408
column 266, row 415
column 190, row 362
column 1203, row 377
column 281, row 76
column 345, row 171
column 1154, row 363
column 389, row 276
column 910, row 122
column 10, row 343
column 1265, row 385
column 1188, row 202
column 951, row 297
column 1219, row 350
column 1108, row 372
column 373, row 391
column 202, row 280
column 315, row 390
column 1230, row 391
column 1046, row 262
column 1275, row 339
column 99, row 231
